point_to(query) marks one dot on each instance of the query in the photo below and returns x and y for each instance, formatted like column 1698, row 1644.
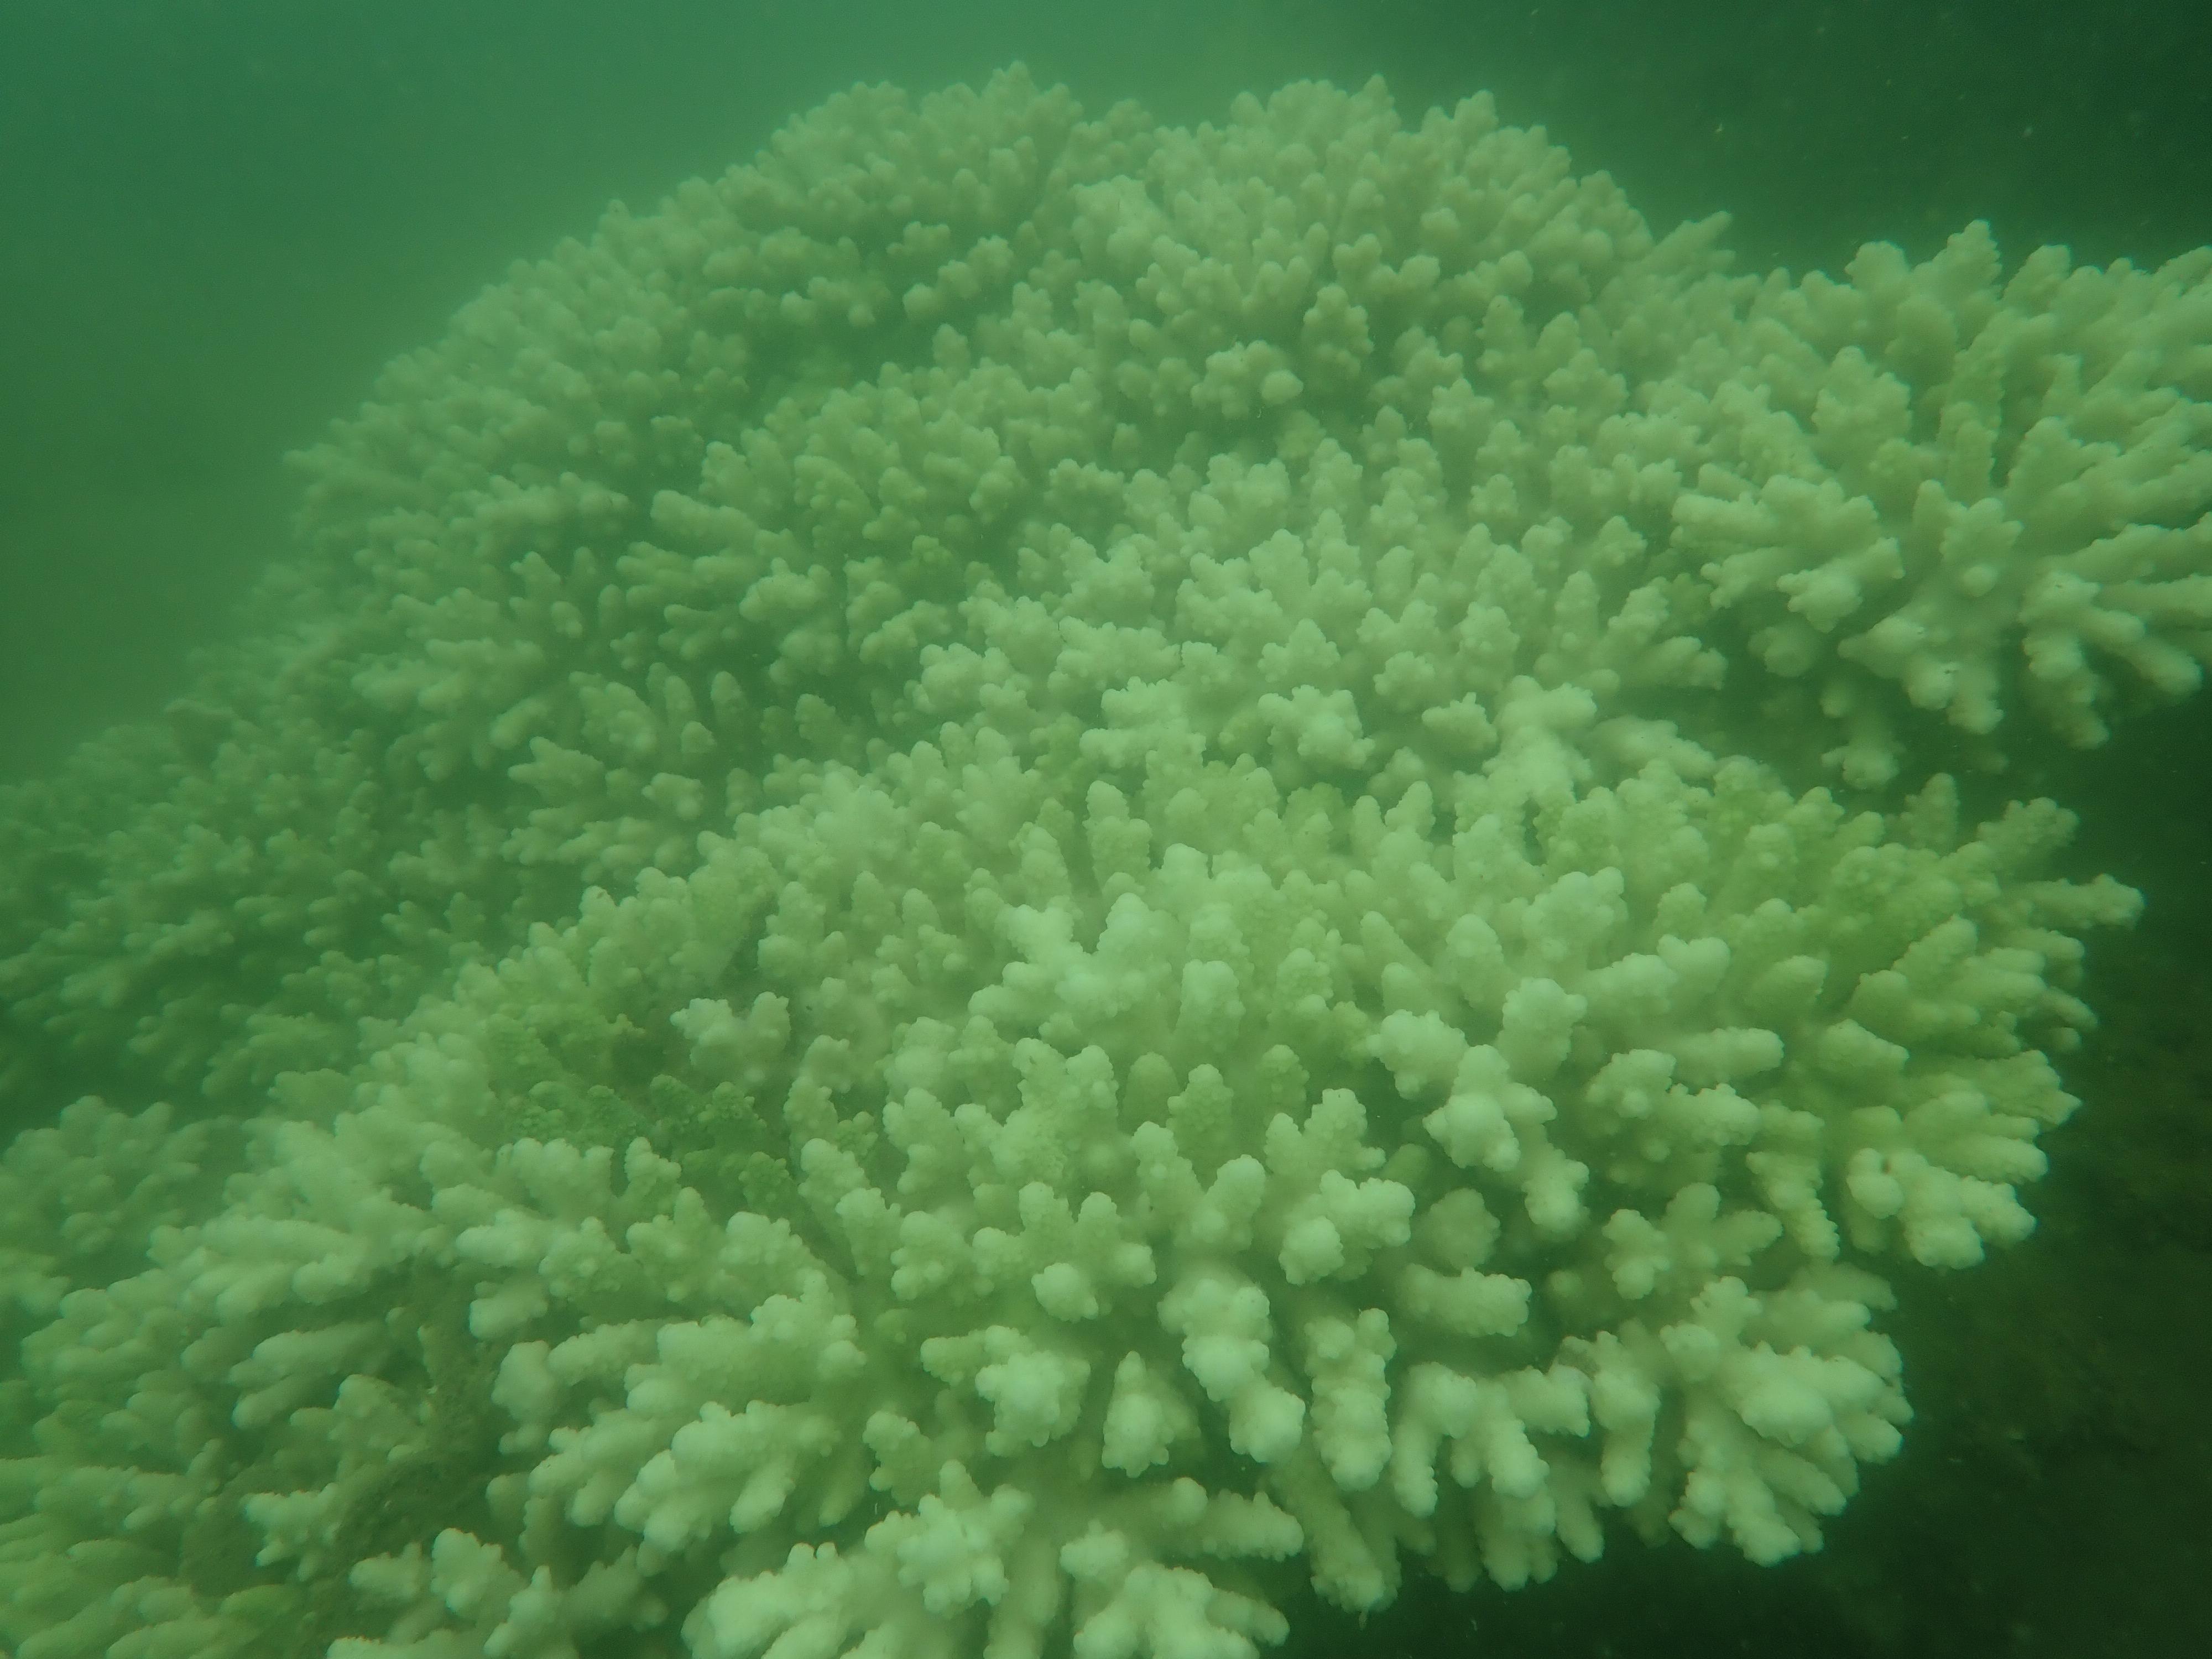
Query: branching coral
column 1026, row 874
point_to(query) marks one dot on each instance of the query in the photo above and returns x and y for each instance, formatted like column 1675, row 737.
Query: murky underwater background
column 221, row 215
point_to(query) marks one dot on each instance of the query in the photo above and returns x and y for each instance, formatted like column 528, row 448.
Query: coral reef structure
column 1026, row 876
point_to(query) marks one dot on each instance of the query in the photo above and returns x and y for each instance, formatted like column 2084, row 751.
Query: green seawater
column 219, row 217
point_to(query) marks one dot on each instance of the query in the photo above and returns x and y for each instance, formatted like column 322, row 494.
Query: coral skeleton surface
column 1025, row 876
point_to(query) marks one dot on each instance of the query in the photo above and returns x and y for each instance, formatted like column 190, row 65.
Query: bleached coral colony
column 1027, row 874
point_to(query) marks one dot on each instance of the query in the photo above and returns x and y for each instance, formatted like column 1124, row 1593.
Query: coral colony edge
column 1027, row 876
